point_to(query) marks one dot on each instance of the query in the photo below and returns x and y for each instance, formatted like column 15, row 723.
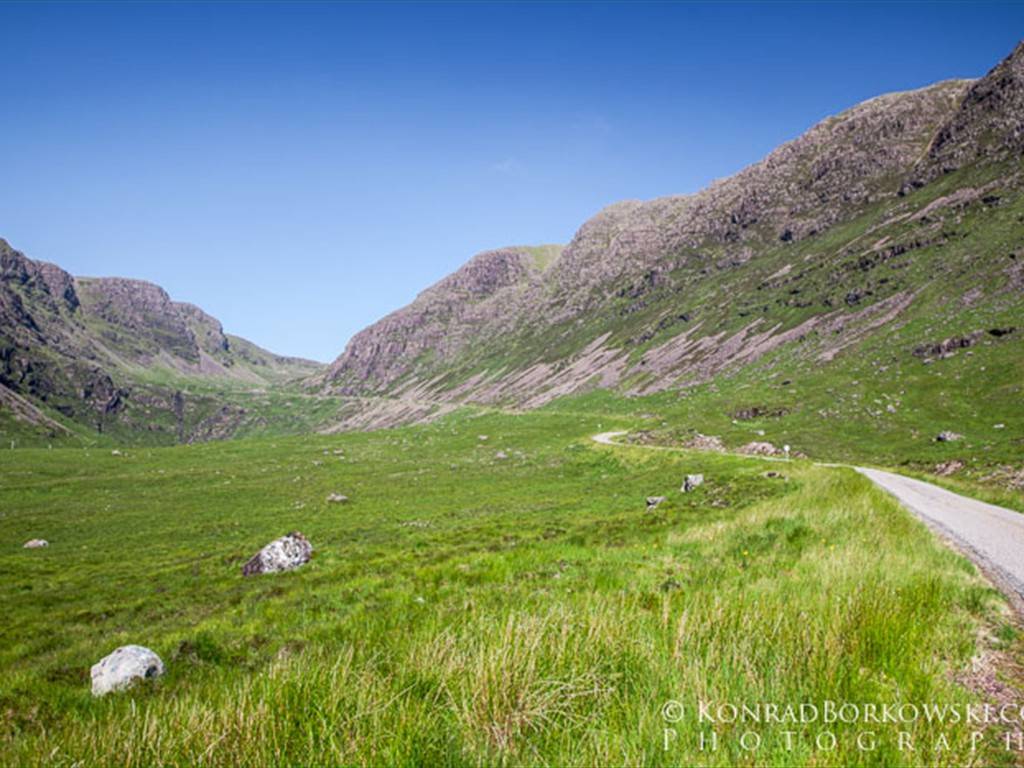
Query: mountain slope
column 889, row 215
column 109, row 354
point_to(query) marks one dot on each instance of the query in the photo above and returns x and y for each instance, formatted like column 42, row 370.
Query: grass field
column 468, row 609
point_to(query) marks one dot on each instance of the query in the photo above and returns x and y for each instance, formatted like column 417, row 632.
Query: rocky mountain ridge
column 90, row 348
column 665, row 293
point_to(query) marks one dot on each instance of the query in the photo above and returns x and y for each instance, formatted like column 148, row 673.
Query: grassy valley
column 493, row 592
column 492, row 586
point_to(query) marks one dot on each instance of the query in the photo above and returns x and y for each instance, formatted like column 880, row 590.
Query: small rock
column 947, row 468
column 772, row 475
column 890, row 408
column 481, row 437
column 691, row 482
column 670, row 585
column 998, row 426
column 284, row 554
column 115, row 452
column 948, row 437
column 501, row 455
column 36, row 544
column 654, row 501
column 337, row 498
column 123, row 667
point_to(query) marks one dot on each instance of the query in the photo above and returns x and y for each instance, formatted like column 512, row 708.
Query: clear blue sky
column 301, row 170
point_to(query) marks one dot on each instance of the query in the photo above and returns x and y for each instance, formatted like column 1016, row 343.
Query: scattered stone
column 1000, row 332
column 116, row 452
column 123, row 667
column 947, row 468
column 654, row 501
column 36, row 544
column 948, row 437
column 946, row 347
column 773, row 475
column 998, row 426
column 890, row 408
column 337, row 498
column 760, row 411
column 284, row 554
column 701, row 442
column 481, row 438
column 757, row 448
column 501, row 455
column 691, row 482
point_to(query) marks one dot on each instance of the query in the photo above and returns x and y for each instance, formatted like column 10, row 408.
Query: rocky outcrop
column 988, row 124
column 123, row 668
column 439, row 324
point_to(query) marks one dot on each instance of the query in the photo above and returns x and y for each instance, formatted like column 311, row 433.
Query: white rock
column 691, row 482
column 123, row 667
column 36, row 543
column 337, row 498
column 284, row 554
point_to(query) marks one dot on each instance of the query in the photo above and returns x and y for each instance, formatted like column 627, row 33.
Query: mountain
column 892, row 226
column 110, row 354
column 858, row 286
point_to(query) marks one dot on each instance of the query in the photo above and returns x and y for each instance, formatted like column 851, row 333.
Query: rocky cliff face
column 82, row 346
column 652, row 295
column 442, row 320
column 988, row 123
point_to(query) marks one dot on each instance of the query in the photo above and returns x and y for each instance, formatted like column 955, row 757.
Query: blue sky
column 301, row 170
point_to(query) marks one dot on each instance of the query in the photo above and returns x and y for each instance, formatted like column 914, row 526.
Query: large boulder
column 284, row 554
column 691, row 481
column 123, row 667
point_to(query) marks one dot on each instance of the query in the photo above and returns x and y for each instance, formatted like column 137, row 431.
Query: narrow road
column 991, row 536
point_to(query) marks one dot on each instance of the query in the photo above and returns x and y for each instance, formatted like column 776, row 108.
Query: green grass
column 465, row 609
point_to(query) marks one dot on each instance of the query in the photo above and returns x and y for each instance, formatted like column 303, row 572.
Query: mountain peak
column 988, row 125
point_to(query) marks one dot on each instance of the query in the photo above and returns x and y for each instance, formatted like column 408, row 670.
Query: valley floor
column 494, row 592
